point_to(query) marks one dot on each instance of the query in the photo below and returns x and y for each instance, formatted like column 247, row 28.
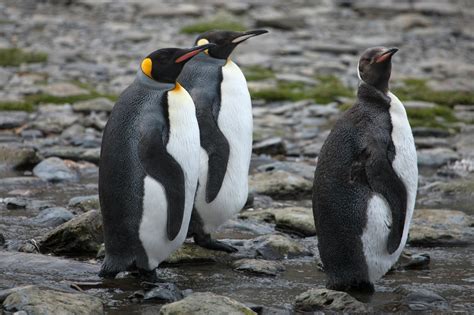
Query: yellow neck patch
column 146, row 66
column 177, row 88
column 203, row 41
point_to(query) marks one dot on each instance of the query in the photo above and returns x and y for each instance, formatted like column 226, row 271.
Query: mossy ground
column 219, row 23
column 16, row 56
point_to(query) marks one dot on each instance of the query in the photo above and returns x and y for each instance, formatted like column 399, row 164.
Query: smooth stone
column 190, row 253
column 16, row 155
column 410, row 21
column 272, row 146
column 55, row 170
column 204, row 303
column 64, row 89
column 277, row 247
column 167, row 292
column 436, row 157
column 259, row 266
column 418, row 105
column 73, row 153
column 412, row 261
column 420, row 299
column 432, row 142
column 298, row 168
column 328, row 300
column 36, row 300
column 430, row 132
column 80, row 236
column 178, row 10
column 295, row 220
column 85, row 203
column 53, row 216
column 12, row 119
column 280, row 21
column 15, row 202
column 438, row 227
column 280, row 185
column 100, row 104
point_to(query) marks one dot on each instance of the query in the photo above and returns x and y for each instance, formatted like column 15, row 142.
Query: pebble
column 55, row 170
column 53, row 216
column 326, row 300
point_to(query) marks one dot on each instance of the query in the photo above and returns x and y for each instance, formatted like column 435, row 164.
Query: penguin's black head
column 375, row 66
column 225, row 41
column 164, row 65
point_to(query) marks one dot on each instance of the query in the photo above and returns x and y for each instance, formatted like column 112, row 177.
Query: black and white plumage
column 365, row 182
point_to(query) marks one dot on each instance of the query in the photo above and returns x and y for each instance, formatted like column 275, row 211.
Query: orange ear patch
column 146, row 66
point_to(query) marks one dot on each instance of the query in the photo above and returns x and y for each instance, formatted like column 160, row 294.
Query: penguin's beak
column 386, row 55
column 249, row 34
column 189, row 53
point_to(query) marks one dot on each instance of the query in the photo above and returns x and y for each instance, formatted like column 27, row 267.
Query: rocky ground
column 64, row 62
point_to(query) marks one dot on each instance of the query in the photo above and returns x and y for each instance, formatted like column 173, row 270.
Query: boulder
column 296, row 220
column 280, row 185
column 55, row 170
column 53, row 216
column 328, row 300
column 259, row 266
column 277, row 246
column 15, row 155
column 79, row 236
column 36, row 300
column 204, row 303
column 85, row 203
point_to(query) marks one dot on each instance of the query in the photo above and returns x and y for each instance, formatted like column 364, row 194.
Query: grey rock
column 418, row 105
column 280, row 184
column 333, row 48
column 15, row 203
column 167, row 292
column 64, row 89
column 54, row 169
column 192, row 253
column 328, row 300
column 79, row 236
column 53, row 119
column 15, row 155
column 204, row 303
column 430, row 132
column 436, row 157
column 280, row 21
column 172, row 11
column 36, row 300
column 277, row 247
column 259, row 266
column 420, row 299
column 295, row 220
column 85, row 203
column 272, row 146
column 410, row 21
column 100, row 104
column 297, row 168
column 13, row 119
column 73, row 153
column 31, row 134
column 53, row 216
column 432, row 142
column 440, row 227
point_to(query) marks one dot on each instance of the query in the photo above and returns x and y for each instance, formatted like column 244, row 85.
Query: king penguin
column 365, row 182
column 149, row 166
column 224, row 110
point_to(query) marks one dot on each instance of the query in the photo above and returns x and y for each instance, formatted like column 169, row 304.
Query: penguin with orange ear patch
column 149, row 166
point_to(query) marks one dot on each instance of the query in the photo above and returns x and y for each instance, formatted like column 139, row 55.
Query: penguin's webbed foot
column 206, row 241
column 148, row 275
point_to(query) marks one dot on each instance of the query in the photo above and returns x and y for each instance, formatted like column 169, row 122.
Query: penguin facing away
column 147, row 173
column 365, row 182
column 224, row 110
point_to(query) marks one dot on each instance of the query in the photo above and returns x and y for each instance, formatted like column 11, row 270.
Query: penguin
column 149, row 166
column 365, row 182
column 224, row 110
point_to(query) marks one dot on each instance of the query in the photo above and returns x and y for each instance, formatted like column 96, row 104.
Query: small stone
column 53, row 216
column 436, row 157
column 280, row 21
column 14, row 155
column 277, row 247
column 54, row 169
column 328, row 300
column 179, row 10
column 272, row 146
column 192, row 253
column 13, row 119
column 167, row 292
column 430, row 132
column 85, row 203
column 259, row 266
column 204, row 303
column 297, row 168
column 100, row 104
column 81, row 235
column 35, row 300
column 418, row 105
column 410, row 21
column 64, row 90
column 296, row 220
column 13, row 203
column 419, row 299
column 280, row 185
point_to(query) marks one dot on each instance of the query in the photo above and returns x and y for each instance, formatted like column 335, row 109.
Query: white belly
column 183, row 144
column 379, row 216
column 235, row 122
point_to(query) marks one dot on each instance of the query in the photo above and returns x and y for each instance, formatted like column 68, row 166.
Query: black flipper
column 382, row 179
column 160, row 165
column 217, row 148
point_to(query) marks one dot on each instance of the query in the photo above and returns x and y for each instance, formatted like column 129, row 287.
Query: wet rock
column 15, row 155
column 280, row 185
column 298, row 168
column 190, row 253
column 100, row 104
column 167, row 292
column 437, row 227
column 296, row 220
column 2, row 240
column 64, row 89
column 259, row 266
column 29, row 246
column 419, row 299
column 53, row 119
column 79, row 236
column 15, row 203
column 432, row 142
column 204, row 303
column 436, row 157
column 13, row 119
column 9, row 183
column 85, row 203
column 412, row 261
column 36, row 300
column 280, row 21
column 73, row 153
column 272, row 146
column 328, row 300
column 53, row 216
column 277, row 246
column 55, row 170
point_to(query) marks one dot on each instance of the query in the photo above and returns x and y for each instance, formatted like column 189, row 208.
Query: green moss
column 417, row 89
column 16, row 56
column 24, row 106
column 436, row 117
column 219, row 23
column 326, row 91
column 257, row 73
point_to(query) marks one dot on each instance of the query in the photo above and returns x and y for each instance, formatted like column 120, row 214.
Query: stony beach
column 63, row 64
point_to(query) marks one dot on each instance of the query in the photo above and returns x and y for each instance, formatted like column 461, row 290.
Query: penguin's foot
column 206, row 241
column 148, row 275
column 362, row 286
